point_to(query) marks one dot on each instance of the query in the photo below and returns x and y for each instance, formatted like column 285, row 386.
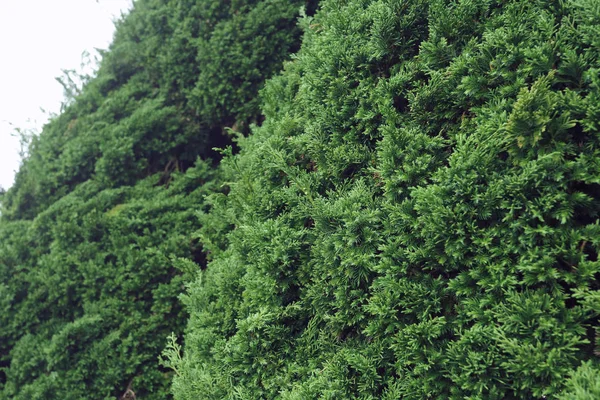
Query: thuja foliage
column 417, row 218
column 97, row 236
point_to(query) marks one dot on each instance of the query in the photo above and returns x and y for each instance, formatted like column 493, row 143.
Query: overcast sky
column 39, row 38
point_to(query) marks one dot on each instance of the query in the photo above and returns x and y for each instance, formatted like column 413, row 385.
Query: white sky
column 39, row 38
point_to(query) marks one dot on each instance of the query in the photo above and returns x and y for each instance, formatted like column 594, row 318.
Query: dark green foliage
column 177, row 74
column 417, row 217
column 90, row 289
column 414, row 217
column 97, row 236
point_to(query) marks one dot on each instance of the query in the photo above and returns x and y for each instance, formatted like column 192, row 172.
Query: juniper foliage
column 176, row 75
column 415, row 214
column 97, row 234
column 417, row 217
column 89, row 286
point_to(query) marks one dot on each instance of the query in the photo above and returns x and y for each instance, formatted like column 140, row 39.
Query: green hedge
column 177, row 74
column 97, row 235
column 417, row 217
column 89, row 289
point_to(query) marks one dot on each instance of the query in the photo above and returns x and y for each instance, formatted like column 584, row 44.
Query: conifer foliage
column 177, row 74
column 97, row 234
column 89, row 289
column 410, row 210
column 417, row 218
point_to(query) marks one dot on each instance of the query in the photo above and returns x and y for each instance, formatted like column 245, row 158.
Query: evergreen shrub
column 417, row 217
column 97, row 233
column 177, row 75
column 89, row 289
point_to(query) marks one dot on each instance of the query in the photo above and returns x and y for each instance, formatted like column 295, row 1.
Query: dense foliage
column 97, row 234
column 417, row 218
column 410, row 209
column 177, row 74
column 90, row 289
